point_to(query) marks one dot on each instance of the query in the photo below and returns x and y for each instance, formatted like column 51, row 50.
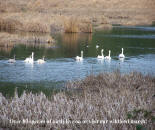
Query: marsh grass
column 9, row 24
column 75, row 25
column 106, row 96
column 11, row 39
column 71, row 25
column 36, row 27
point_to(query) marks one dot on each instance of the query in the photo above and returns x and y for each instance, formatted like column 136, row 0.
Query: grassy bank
column 50, row 15
column 103, row 97
column 46, row 16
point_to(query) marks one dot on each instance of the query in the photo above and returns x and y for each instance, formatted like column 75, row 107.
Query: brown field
column 103, row 97
column 50, row 15
column 45, row 16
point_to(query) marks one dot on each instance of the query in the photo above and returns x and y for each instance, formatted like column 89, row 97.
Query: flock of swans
column 102, row 57
column 30, row 59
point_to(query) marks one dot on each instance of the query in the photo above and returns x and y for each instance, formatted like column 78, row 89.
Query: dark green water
column 61, row 66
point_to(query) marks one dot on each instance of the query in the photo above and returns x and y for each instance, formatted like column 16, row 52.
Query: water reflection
column 72, row 41
column 121, row 59
column 6, row 49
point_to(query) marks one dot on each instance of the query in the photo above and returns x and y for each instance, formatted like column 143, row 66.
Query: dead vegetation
column 103, row 97
column 50, row 13
column 71, row 25
column 10, row 25
column 74, row 25
column 36, row 27
column 8, row 41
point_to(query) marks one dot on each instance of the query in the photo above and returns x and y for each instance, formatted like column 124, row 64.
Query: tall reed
column 103, row 97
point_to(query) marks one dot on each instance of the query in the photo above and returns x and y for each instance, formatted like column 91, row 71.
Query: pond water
column 61, row 66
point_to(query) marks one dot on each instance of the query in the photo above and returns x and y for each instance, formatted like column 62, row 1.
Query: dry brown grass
column 86, row 26
column 50, row 12
column 102, row 97
column 74, row 25
column 71, row 25
column 10, row 24
column 36, row 27
column 7, row 40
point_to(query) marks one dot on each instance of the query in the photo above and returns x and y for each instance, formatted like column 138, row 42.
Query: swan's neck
column 32, row 56
column 102, row 53
column 109, row 53
column 122, row 50
column 14, row 57
column 81, row 54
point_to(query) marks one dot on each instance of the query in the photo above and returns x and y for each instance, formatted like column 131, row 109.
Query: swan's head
column 102, row 50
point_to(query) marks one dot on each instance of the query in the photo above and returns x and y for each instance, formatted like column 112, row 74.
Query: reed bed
column 9, row 24
column 103, row 97
column 71, row 25
column 8, row 41
column 36, row 27
column 75, row 25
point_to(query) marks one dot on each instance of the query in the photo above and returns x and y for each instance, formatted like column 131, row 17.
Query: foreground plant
column 106, row 101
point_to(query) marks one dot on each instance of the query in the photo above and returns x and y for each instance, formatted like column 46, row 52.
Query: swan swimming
column 108, row 57
column 102, row 56
column 30, row 59
column 78, row 58
column 12, row 60
column 41, row 61
column 121, row 55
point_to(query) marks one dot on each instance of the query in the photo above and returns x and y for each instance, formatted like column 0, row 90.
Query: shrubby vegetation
column 103, row 97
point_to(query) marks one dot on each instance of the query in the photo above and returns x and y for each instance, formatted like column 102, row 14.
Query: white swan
column 102, row 56
column 41, row 61
column 97, row 46
column 78, row 58
column 12, row 60
column 30, row 59
column 121, row 55
column 108, row 57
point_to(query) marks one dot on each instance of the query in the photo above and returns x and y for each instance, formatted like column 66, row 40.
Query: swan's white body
column 121, row 55
column 12, row 60
column 41, row 61
column 102, row 56
column 30, row 59
column 78, row 58
column 108, row 57
column 97, row 46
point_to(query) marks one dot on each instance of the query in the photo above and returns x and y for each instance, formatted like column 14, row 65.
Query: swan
column 41, row 61
column 102, row 56
column 78, row 58
column 121, row 55
column 97, row 46
column 30, row 59
column 12, row 60
column 108, row 57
